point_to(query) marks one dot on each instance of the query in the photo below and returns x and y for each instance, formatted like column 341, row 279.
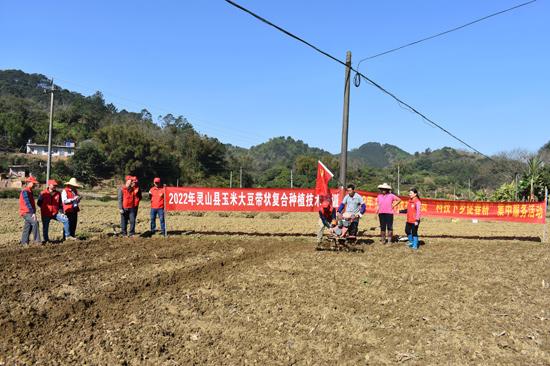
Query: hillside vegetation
column 113, row 143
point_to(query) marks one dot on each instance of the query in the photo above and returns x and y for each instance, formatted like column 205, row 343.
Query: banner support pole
column 545, row 230
column 165, row 213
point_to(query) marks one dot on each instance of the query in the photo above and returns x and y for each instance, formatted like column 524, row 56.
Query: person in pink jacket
column 385, row 205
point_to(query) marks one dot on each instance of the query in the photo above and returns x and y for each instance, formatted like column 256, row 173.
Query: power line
column 444, row 32
column 373, row 83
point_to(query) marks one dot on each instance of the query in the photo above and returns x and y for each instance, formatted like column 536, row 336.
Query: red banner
column 305, row 200
column 529, row 212
column 242, row 199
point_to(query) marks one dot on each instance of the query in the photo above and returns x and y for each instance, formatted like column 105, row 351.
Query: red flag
column 323, row 176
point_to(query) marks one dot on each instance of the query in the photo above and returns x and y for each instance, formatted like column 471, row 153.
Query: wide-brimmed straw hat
column 73, row 183
column 384, row 186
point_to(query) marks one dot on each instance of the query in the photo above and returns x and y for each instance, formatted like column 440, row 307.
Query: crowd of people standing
column 345, row 220
column 63, row 206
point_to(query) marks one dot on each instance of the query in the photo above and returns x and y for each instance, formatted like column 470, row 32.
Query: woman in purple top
column 386, row 202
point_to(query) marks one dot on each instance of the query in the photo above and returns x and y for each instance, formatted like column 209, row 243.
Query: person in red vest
column 126, row 206
column 156, row 193
column 413, row 218
column 137, row 195
column 71, row 205
column 27, row 210
column 51, row 208
column 327, row 218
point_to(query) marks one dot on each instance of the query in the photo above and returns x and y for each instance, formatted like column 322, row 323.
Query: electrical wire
column 370, row 81
column 444, row 32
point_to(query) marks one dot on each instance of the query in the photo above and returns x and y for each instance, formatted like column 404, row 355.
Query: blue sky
column 243, row 82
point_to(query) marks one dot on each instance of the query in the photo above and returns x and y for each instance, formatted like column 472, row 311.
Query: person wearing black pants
column 385, row 205
column 413, row 218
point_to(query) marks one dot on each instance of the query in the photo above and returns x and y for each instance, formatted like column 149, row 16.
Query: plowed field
column 251, row 289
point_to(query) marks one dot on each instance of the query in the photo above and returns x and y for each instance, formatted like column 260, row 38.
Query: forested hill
column 113, row 143
column 376, row 155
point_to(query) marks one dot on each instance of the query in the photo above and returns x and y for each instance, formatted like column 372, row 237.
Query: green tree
column 533, row 176
column 506, row 192
column 134, row 149
column 89, row 164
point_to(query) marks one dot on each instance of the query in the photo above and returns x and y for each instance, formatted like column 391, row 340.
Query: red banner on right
column 528, row 212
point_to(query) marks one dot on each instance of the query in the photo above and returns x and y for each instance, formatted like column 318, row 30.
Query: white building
column 57, row 150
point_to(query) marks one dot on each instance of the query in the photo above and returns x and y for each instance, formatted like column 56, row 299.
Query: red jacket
column 413, row 210
column 49, row 202
column 157, row 197
column 70, row 207
column 26, row 195
column 137, row 196
column 126, row 198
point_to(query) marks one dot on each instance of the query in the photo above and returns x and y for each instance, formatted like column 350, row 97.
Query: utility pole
column 291, row 179
column 48, row 168
column 231, row 179
column 241, row 177
column 398, row 180
column 345, row 124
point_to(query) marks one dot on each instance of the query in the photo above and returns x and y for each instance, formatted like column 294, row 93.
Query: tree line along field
column 246, row 288
column 112, row 142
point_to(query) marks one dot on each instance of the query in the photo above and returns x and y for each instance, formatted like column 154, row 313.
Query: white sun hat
column 73, row 182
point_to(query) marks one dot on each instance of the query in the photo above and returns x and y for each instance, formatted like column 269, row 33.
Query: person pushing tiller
column 354, row 209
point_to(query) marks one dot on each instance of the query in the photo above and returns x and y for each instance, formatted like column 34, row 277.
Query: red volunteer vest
column 23, row 209
column 69, row 207
column 411, row 210
column 136, row 196
column 51, row 202
column 128, row 197
column 327, row 214
column 157, row 197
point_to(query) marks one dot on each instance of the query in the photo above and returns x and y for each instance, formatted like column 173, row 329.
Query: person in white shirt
column 71, row 204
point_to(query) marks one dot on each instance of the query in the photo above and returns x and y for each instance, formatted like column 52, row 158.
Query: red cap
column 53, row 182
column 128, row 177
column 31, row 179
column 156, row 180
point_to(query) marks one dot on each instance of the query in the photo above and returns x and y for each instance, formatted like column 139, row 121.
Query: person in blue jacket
column 353, row 203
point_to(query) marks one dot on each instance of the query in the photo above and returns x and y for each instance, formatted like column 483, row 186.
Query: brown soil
column 218, row 300
column 470, row 298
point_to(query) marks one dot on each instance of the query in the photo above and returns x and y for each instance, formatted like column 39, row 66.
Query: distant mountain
column 376, row 155
column 282, row 151
column 35, row 87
